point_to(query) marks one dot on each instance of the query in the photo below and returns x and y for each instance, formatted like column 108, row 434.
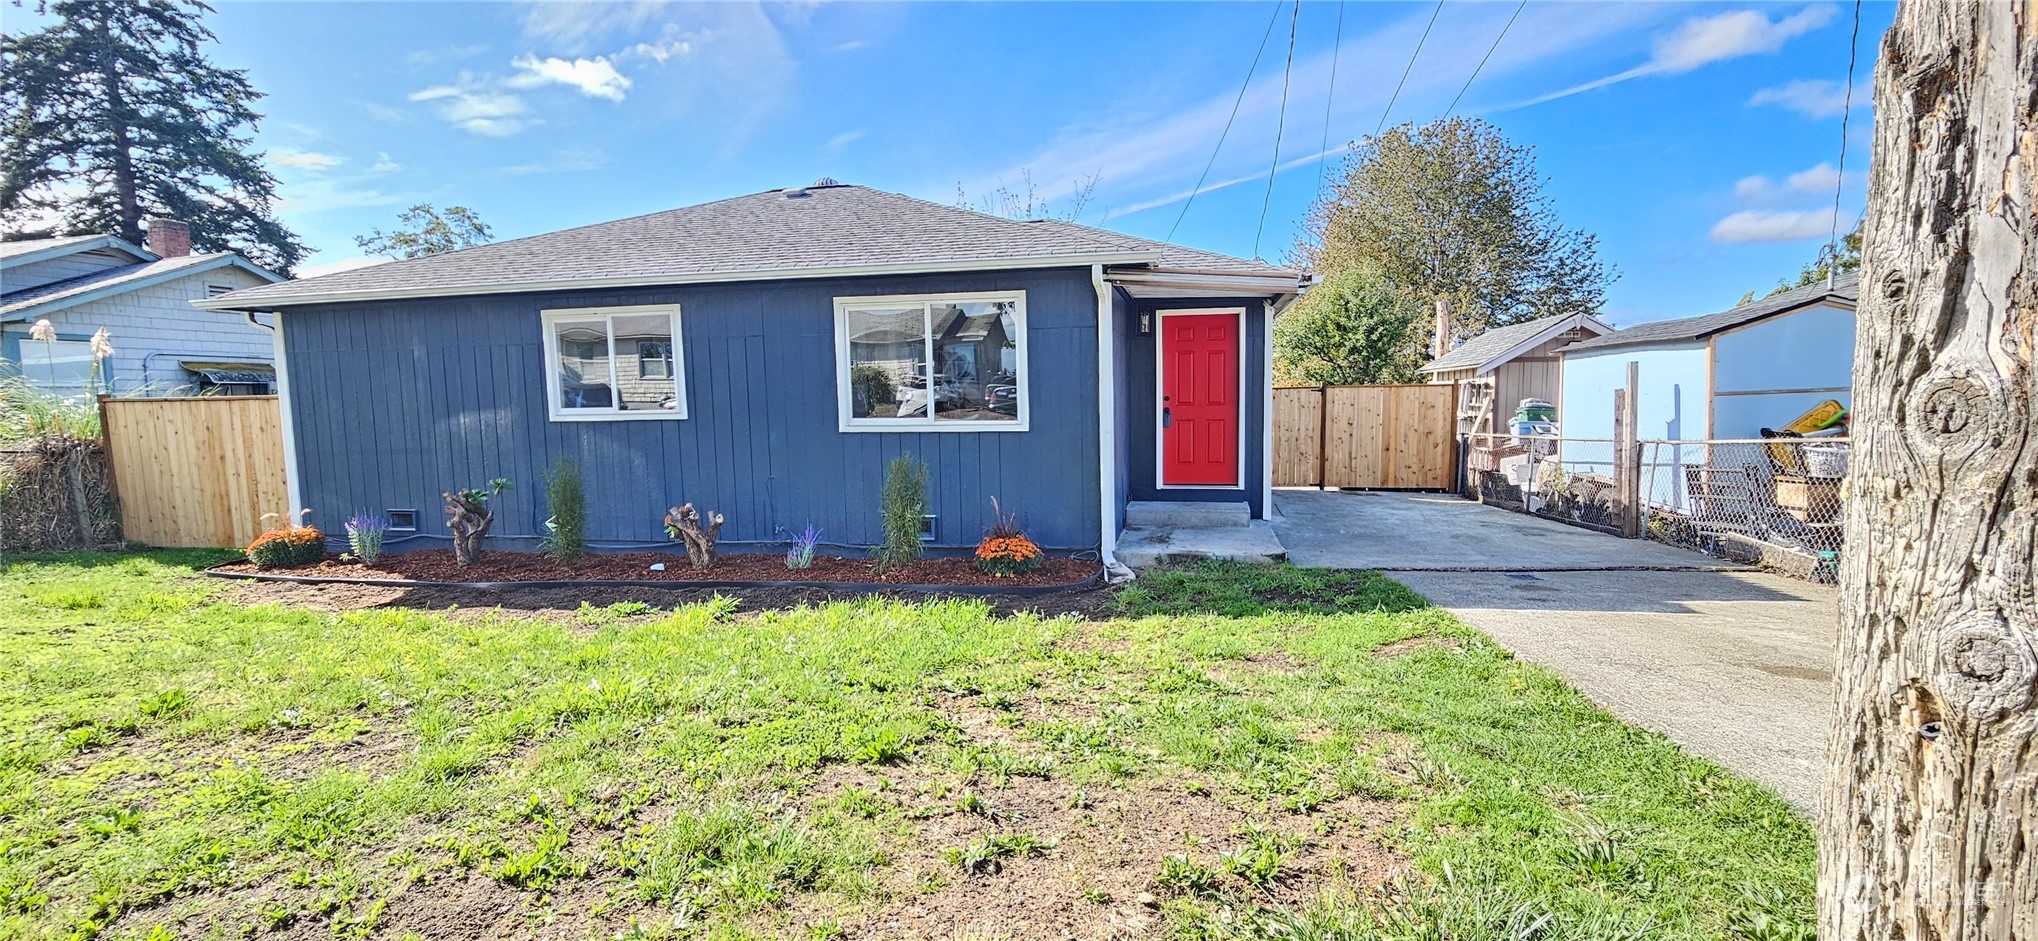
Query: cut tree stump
column 684, row 524
column 469, row 520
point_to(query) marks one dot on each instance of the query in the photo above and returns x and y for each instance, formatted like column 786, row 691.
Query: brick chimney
column 168, row 238
column 1443, row 337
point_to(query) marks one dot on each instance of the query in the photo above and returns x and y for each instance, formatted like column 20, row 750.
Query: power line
column 1840, row 178
column 1227, row 123
column 1482, row 60
column 1280, row 128
column 1337, row 45
column 1411, row 67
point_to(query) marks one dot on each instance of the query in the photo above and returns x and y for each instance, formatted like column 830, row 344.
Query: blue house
column 766, row 356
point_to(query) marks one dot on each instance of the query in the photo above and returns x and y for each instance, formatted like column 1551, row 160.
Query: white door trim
column 1160, row 384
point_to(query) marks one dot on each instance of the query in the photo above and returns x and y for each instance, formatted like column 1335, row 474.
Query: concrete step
column 1254, row 541
column 1183, row 514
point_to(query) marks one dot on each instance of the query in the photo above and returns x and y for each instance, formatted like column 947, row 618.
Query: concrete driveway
column 1736, row 665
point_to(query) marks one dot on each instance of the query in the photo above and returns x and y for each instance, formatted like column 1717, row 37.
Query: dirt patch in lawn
column 1089, row 603
column 1084, row 862
column 437, row 565
column 1402, row 648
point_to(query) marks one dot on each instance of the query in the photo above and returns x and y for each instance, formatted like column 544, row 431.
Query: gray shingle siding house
column 142, row 296
column 766, row 356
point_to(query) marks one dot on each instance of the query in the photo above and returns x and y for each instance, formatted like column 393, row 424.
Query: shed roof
column 815, row 231
column 1845, row 289
column 1499, row 344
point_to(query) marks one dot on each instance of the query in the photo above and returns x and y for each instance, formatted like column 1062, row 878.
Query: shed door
column 1199, row 359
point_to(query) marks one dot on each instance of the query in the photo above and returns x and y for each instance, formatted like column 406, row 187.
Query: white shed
column 1721, row 376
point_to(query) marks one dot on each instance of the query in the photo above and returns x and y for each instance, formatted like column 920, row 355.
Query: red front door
column 1199, row 399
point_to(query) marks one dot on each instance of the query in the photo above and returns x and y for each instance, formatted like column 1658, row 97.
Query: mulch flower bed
column 437, row 565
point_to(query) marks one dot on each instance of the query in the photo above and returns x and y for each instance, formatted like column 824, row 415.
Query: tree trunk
column 119, row 119
column 469, row 520
column 683, row 524
column 1929, row 827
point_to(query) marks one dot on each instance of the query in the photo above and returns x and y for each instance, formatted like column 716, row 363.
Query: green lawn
column 1233, row 755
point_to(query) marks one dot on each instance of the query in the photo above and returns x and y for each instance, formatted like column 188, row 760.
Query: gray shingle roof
column 1488, row 346
column 15, row 302
column 31, row 246
column 1173, row 257
column 1845, row 288
column 822, row 229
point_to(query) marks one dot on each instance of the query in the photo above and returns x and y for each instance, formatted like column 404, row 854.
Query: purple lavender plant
column 801, row 554
column 364, row 535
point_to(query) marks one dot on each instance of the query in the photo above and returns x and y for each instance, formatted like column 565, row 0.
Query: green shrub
column 904, row 501
column 288, row 548
column 565, row 536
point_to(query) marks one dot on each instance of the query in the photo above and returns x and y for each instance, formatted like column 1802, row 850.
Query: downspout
column 1107, row 433
column 288, row 427
column 1274, row 310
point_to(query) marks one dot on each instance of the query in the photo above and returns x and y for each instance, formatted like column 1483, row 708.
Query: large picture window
column 953, row 362
column 614, row 363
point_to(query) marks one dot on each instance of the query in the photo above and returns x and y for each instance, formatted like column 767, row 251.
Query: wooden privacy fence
column 197, row 472
column 1396, row 437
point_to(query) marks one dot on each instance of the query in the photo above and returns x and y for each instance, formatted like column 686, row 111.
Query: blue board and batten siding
column 395, row 401
column 1142, row 441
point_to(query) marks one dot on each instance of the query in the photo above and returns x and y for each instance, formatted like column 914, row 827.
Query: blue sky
column 1698, row 141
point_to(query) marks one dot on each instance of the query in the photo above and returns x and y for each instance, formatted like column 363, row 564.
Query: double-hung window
column 933, row 362
column 614, row 363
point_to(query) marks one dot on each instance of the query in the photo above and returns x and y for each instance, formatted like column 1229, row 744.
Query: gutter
column 241, row 299
column 1107, row 433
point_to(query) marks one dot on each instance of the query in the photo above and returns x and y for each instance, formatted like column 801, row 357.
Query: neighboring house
column 1497, row 369
column 1723, row 376
column 142, row 296
column 766, row 356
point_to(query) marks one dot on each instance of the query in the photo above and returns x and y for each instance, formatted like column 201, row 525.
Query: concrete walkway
column 1734, row 665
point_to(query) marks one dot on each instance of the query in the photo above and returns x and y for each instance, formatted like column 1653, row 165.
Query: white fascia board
column 229, row 302
column 1205, row 285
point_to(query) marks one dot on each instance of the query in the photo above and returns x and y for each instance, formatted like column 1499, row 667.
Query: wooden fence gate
column 197, row 472
column 1397, row 437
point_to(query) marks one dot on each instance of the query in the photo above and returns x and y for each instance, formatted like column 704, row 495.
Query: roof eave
column 229, row 302
column 1206, row 283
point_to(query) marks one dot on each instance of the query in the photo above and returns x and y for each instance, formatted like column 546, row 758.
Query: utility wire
column 1280, row 128
column 1840, row 178
column 1411, row 67
column 1227, row 124
column 1336, row 46
column 1482, row 60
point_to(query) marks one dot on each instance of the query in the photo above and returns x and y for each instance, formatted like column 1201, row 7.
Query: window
column 614, row 363
column 402, row 520
column 60, row 366
column 931, row 363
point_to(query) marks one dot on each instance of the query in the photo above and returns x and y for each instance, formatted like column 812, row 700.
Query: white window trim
column 845, row 401
column 1160, row 385
column 548, row 318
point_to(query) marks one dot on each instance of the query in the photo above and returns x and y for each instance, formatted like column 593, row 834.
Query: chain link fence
column 1775, row 502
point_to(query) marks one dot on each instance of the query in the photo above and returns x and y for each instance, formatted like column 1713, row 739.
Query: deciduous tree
column 1353, row 328
column 1453, row 210
column 1929, row 827
column 427, row 231
column 113, row 114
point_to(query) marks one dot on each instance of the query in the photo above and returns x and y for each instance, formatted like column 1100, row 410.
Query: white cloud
column 384, row 165
column 339, row 265
column 1817, row 98
column 1813, row 181
column 851, row 45
column 1763, row 225
column 382, row 112
column 667, row 48
column 595, row 78
column 1704, row 40
column 843, row 139
column 303, row 159
column 477, row 110
column 570, row 160
column 573, row 26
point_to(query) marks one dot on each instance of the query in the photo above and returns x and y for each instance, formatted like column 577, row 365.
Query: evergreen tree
column 113, row 115
column 1351, row 329
column 1453, row 210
